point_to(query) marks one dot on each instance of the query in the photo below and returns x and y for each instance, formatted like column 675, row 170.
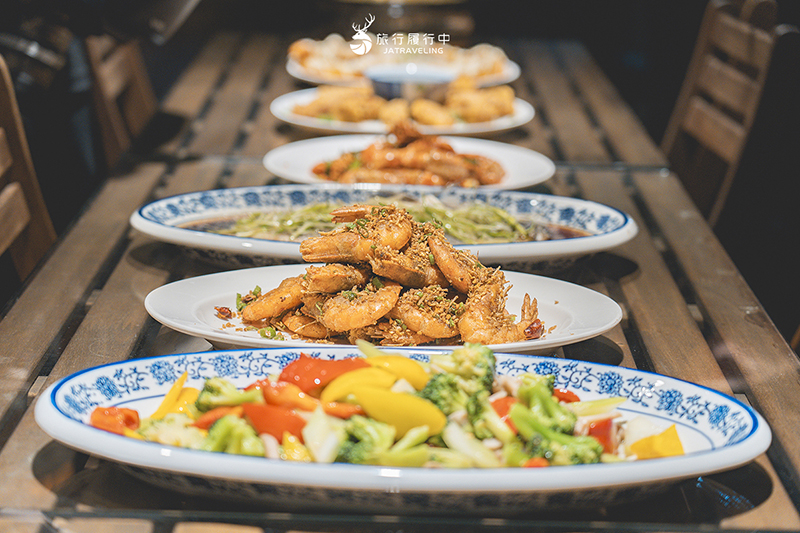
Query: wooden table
column 687, row 311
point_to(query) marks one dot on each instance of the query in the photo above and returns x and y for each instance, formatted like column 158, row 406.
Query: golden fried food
column 392, row 281
column 394, row 111
column 431, row 113
column 464, row 102
column 406, row 156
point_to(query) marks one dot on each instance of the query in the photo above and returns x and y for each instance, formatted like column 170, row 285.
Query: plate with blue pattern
column 717, row 431
column 181, row 220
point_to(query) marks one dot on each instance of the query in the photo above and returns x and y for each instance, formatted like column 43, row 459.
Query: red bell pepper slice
column 274, row 420
column 312, row 374
column 114, row 419
column 602, row 430
column 565, row 395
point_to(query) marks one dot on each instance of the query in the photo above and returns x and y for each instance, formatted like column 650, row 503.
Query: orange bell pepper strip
column 342, row 409
column 207, row 419
column 312, row 374
column 274, row 420
column 114, row 419
column 502, row 406
column 285, row 394
column 536, row 462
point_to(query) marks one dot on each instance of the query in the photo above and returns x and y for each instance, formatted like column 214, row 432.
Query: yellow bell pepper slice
column 293, row 449
column 342, row 385
column 596, row 407
column 402, row 367
column 664, row 444
column 402, row 410
column 185, row 401
column 170, row 398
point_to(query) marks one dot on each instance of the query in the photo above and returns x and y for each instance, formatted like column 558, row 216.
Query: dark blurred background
column 642, row 45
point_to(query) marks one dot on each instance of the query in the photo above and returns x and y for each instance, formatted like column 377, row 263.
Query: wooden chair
column 123, row 95
column 26, row 230
column 717, row 104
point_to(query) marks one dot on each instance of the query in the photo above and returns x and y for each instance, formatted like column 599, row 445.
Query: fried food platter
column 283, row 108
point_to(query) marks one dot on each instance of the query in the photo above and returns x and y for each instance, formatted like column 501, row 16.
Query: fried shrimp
column 284, row 297
column 394, row 282
column 356, row 309
column 407, row 156
column 368, row 228
column 456, row 265
column 485, row 319
column 413, row 266
column 305, row 326
column 428, row 312
column 334, row 277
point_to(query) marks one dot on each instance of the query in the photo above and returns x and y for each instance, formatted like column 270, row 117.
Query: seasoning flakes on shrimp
column 389, row 280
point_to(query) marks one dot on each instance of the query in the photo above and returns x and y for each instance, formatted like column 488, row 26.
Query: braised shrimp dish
column 389, row 280
column 408, row 157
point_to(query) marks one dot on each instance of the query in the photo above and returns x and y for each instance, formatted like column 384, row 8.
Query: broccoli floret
column 485, row 421
column 473, row 363
column 446, row 393
column 411, row 450
column 557, row 447
column 219, row 392
column 536, row 392
column 175, row 429
column 232, row 434
column 366, row 439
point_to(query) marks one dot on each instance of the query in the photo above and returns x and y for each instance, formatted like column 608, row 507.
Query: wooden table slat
column 622, row 129
column 573, row 130
column 34, row 322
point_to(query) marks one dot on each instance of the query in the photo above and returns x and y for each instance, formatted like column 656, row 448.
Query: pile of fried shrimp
column 407, row 156
column 386, row 279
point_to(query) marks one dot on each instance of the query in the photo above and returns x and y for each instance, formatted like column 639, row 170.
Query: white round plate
column 164, row 220
column 509, row 73
column 571, row 313
column 717, row 431
column 294, row 161
column 283, row 108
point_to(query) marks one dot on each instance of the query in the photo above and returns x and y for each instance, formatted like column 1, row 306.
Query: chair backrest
column 719, row 98
column 26, row 230
column 124, row 100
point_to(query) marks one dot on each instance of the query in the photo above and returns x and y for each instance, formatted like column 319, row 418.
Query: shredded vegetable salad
column 471, row 223
column 387, row 409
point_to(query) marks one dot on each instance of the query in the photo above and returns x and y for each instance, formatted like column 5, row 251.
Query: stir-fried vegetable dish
column 452, row 411
column 469, row 223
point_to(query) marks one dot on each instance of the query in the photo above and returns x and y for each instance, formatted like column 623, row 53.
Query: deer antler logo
column 363, row 42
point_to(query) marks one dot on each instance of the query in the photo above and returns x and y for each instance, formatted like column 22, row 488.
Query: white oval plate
column 162, row 219
column 570, row 313
column 717, row 431
column 283, row 108
column 509, row 73
column 294, row 161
